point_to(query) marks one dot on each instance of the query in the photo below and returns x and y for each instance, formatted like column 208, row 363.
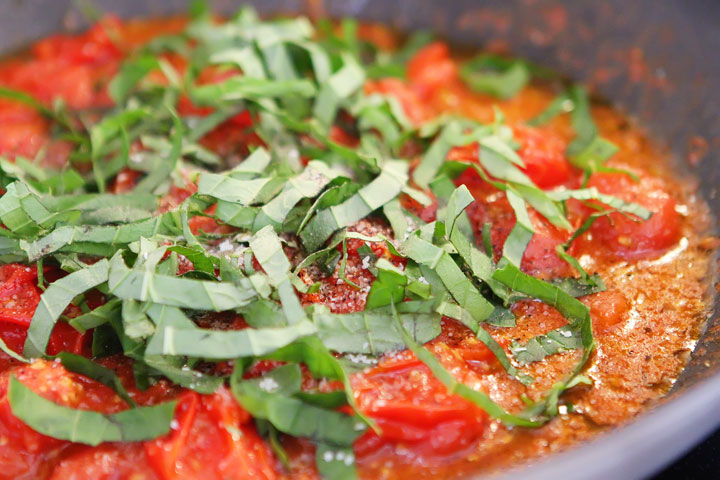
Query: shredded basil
column 55, row 300
column 85, row 426
column 496, row 76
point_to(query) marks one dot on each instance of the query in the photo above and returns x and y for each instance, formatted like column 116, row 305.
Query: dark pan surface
column 656, row 59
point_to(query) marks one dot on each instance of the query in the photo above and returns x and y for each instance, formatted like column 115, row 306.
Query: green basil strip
column 571, row 308
column 169, row 158
column 443, row 188
column 106, row 234
column 179, row 373
column 374, row 195
column 242, row 87
column 308, row 184
column 85, row 366
column 23, row 213
column 88, row 202
column 42, row 179
column 522, row 232
column 269, row 253
column 537, row 348
column 55, row 300
column 499, row 77
column 458, row 313
column 480, row 264
column 592, row 193
column 174, row 291
column 495, row 158
column 459, row 286
column 312, row 352
column 225, row 344
column 109, row 128
column 336, row 88
column 269, row 398
column 560, row 104
column 551, row 294
column 588, row 150
column 388, row 287
column 99, row 316
column 135, row 322
column 579, row 287
column 229, row 189
column 11, row 353
column 335, row 463
column 131, row 72
column 24, row 98
column 369, row 331
column 85, row 426
column 480, row 399
column 395, row 215
column 435, row 156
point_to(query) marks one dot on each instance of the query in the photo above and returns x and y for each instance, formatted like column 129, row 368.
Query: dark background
column 702, row 462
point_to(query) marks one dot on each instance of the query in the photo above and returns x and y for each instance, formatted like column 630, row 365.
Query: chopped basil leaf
column 85, row 366
column 85, row 426
column 369, row 331
column 496, row 76
column 55, row 300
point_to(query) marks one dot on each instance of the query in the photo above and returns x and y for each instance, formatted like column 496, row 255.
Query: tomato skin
column 607, row 309
column 19, row 295
column 426, row 213
column 431, row 67
column 95, row 45
column 543, row 153
column 211, row 438
column 79, row 65
column 491, row 205
column 124, row 181
column 25, row 447
column 413, row 408
column 200, row 223
column 27, row 454
column 23, row 129
column 618, row 236
column 104, row 462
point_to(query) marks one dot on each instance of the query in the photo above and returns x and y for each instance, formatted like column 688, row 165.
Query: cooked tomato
column 540, row 257
column 415, row 110
column 23, row 447
column 24, row 131
column 211, row 438
column 426, row 213
column 25, row 451
column 543, row 153
column 413, row 408
column 98, row 44
column 124, row 181
column 627, row 237
column 19, row 294
column 19, row 297
column 200, row 223
column 105, row 462
column 431, row 67
column 79, row 65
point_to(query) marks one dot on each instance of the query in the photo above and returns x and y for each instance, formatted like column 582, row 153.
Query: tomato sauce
column 646, row 323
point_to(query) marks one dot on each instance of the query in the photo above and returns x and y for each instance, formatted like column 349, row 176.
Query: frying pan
column 655, row 59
